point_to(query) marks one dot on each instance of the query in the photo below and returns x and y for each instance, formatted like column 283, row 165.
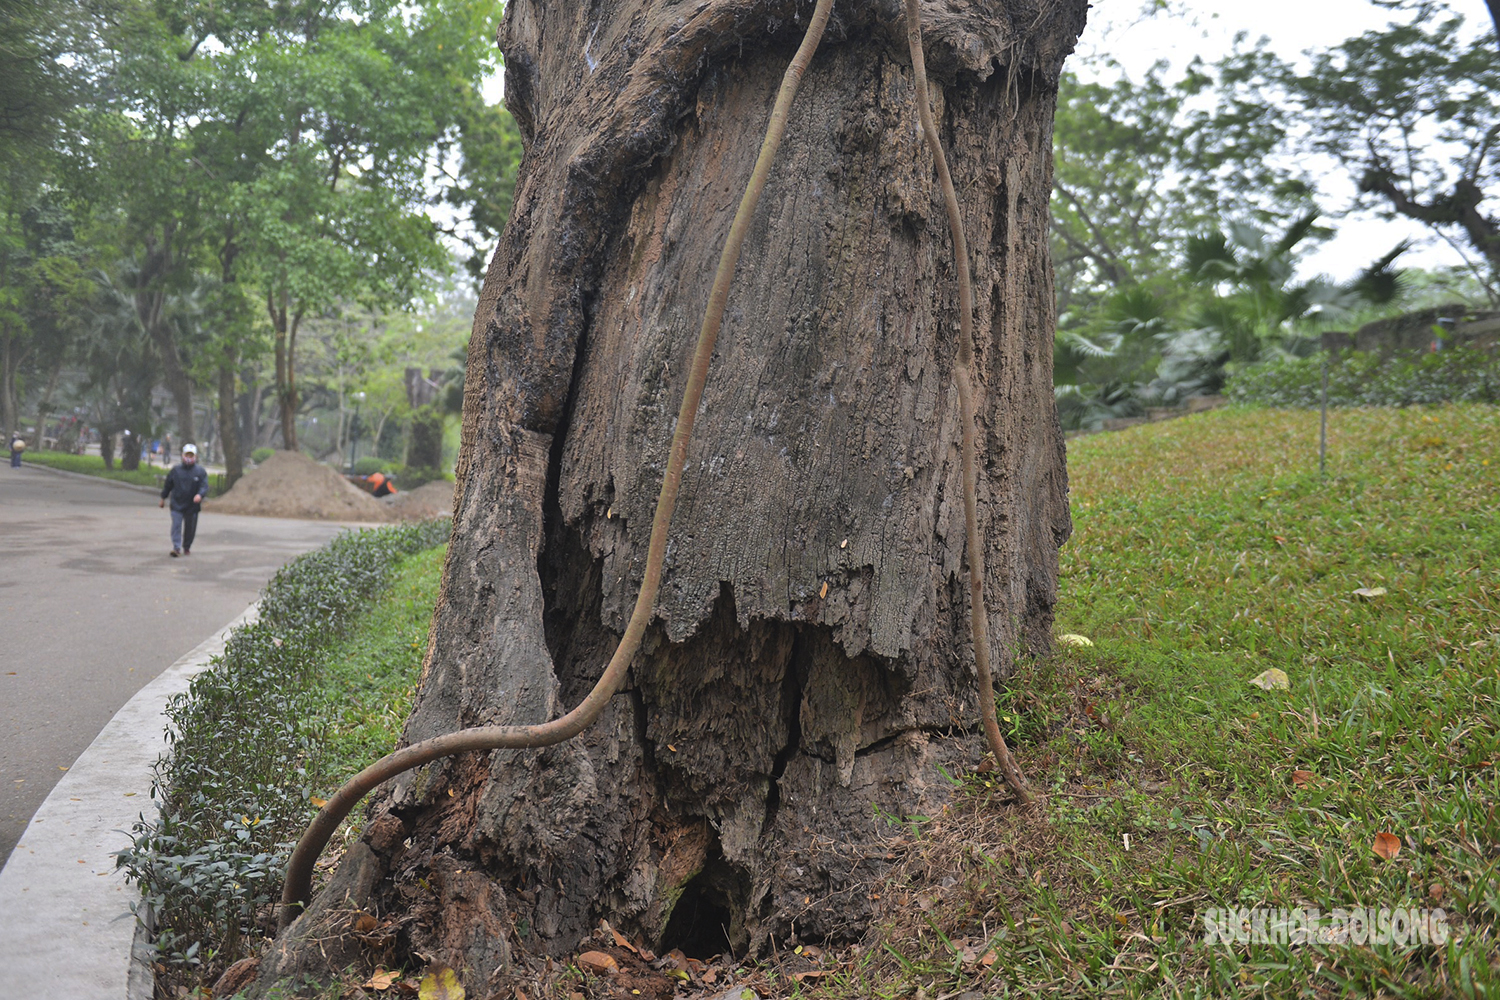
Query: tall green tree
column 43, row 283
column 1411, row 112
column 1141, row 166
column 288, row 148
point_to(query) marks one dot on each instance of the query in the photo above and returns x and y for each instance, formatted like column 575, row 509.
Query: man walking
column 185, row 484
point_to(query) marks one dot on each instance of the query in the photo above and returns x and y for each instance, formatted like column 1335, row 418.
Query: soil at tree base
column 289, row 484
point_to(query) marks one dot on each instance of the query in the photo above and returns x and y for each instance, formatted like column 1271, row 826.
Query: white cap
column 190, row 449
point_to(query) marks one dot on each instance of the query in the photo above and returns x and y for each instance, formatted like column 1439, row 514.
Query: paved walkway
column 65, row 923
column 93, row 609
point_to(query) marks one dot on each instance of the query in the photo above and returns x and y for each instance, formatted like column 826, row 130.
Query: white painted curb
column 65, row 925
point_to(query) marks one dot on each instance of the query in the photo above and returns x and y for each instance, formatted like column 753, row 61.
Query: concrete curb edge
column 65, row 925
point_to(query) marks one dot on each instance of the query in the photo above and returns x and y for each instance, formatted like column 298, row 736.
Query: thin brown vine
column 963, row 376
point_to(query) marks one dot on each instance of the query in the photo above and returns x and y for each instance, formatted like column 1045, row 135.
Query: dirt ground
column 434, row 499
column 289, row 484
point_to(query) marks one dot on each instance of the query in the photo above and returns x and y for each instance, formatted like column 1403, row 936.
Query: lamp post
column 359, row 397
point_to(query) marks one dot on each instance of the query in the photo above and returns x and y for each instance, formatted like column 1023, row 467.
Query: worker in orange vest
column 381, row 485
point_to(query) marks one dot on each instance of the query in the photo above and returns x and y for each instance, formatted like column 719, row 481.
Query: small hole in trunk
column 700, row 921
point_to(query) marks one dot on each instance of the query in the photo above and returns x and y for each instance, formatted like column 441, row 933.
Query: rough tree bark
column 809, row 667
column 229, row 431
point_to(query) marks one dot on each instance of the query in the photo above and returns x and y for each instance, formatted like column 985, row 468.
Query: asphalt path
column 92, row 608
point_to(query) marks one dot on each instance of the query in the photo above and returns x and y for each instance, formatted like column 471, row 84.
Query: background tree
column 1411, row 112
column 808, row 660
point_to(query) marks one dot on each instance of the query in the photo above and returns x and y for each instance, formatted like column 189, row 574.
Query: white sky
column 1293, row 26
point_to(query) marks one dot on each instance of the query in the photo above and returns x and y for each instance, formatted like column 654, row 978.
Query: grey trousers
column 184, row 527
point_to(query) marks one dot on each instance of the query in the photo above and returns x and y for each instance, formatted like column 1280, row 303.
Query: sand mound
column 289, row 484
column 434, row 499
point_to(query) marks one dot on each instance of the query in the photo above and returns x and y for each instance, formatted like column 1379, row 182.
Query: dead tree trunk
column 809, row 668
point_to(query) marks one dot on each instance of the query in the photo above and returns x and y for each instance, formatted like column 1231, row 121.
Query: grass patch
column 311, row 692
column 93, row 465
column 367, row 680
column 1205, row 551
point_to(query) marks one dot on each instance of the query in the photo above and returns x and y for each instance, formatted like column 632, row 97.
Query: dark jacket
column 182, row 483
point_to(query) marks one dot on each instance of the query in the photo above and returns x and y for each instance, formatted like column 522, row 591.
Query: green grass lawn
column 1205, row 551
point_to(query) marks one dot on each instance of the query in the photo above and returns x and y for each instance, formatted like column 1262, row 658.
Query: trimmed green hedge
column 1457, row 375
column 234, row 786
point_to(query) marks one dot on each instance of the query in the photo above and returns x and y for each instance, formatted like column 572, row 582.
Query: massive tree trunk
column 809, row 669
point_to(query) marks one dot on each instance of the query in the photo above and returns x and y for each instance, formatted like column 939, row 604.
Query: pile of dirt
column 289, row 484
column 434, row 499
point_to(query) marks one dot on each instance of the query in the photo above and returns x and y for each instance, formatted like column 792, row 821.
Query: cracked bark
column 737, row 781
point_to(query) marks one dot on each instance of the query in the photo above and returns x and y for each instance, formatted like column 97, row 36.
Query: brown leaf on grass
column 1435, row 892
column 381, row 980
column 598, row 962
column 364, row 923
column 1302, row 778
column 803, row 977
column 1387, row 845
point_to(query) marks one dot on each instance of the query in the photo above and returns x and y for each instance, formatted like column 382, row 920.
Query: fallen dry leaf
column 1274, row 679
column 441, row 984
column 1387, row 845
column 1072, row 639
column 802, row 977
column 598, row 962
column 1302, row 778
column 381, row 980
column 1369, row 593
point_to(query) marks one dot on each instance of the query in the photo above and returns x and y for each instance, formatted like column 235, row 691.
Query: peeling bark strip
column 809, row 662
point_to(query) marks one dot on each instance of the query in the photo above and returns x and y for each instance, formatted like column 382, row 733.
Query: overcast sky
column 1292, row 26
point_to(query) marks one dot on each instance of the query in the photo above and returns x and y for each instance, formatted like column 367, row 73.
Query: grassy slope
column 1205, row 551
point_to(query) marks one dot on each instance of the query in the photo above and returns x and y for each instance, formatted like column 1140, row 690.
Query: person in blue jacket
column 186, row 484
